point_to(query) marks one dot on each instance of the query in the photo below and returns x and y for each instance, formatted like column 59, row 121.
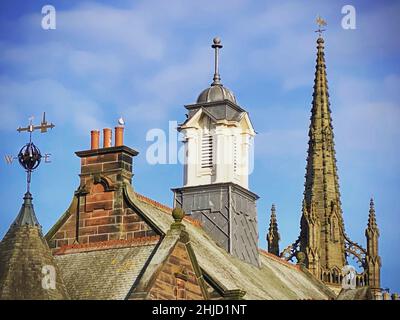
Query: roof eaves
column 105, row 245
column 232, row 294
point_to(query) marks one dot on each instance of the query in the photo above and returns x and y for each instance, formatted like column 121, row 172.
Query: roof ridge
column 167, row 209
column 193, row 221
column 278, row 259
column 150, row 201
column 104, row 245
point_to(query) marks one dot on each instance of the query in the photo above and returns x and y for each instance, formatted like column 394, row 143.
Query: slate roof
column 27, row 266
column 23, row 254
column 114, row 272
column 276, row 279
column 105, row 274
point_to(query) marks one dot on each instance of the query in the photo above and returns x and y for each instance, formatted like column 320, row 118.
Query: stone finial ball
column 301, row 257
column 178, row 214
column 217, row 40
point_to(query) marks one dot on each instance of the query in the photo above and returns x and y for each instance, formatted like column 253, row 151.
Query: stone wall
column 177, row 279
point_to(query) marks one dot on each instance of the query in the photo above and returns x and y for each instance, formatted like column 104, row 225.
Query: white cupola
column 218, row 136
column 218, row 141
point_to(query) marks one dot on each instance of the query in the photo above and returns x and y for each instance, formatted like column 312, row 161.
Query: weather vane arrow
column 321, row 23
column 29, row 156
column 43, row 126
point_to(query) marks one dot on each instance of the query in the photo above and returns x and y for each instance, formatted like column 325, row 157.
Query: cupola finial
column 216, row 46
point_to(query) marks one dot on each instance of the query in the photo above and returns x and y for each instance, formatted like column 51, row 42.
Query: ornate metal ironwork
column 29, row 156
column 291, row 250
column 357, row 251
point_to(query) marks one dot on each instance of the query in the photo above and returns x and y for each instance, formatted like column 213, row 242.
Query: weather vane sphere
column 29, row 157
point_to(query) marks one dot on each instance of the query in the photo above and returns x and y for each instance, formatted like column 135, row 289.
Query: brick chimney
column 112, row 162
column 100, row 211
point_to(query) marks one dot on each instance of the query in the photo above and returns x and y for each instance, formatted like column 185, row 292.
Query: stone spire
column 27, row 215
column 28, row 270
column 372, row 226
column 322, row 228
column 273, row 236
column 373, row 260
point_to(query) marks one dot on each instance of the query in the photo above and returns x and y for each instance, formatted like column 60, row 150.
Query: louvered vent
column 207, row 151
column 235, row 155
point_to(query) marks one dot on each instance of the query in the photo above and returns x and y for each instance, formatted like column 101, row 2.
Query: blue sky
column 145, row 60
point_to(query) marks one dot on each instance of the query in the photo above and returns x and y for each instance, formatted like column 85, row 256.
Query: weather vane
column 321, row 23
column 29, row 156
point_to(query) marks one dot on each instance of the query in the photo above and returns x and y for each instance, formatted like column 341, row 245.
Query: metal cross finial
column 321, row 23
column 216, row 46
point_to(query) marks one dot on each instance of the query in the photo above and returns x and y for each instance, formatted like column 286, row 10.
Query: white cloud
column 105, row 26
column 66, row 107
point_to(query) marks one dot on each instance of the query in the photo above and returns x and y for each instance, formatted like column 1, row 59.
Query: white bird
column 121, row 121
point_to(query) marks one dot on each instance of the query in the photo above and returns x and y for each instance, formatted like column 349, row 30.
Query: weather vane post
column 29, row 156
column 321, row 23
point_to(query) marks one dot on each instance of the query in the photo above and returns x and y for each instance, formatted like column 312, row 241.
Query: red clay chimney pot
column 107, row 133
column 95, row 138
column 119, row 136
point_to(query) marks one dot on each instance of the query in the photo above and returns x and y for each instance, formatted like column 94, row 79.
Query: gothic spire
column 372, row 225
column 321, row 185
column 372, row 259
column 273, row 236
column 321, row 194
